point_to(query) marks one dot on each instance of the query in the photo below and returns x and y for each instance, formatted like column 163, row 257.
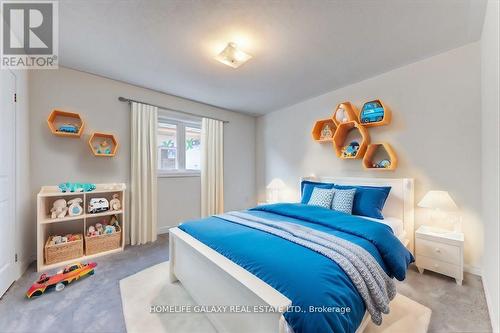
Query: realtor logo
column 29, row 34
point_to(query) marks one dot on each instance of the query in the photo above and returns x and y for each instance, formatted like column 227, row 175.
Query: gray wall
column 435, row 132
column 490, row 159
column 55, row 159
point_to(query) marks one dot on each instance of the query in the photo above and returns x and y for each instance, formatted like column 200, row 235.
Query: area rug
column 142, row 291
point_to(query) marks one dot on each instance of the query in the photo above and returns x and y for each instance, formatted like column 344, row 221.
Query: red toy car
column 69, row 274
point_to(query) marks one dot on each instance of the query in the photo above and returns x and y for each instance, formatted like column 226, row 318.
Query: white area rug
column 151, row 287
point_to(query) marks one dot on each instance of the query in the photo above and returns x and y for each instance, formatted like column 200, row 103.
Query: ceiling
column 300, row 49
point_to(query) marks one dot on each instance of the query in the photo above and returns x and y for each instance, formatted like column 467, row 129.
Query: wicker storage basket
column 102, row 243
column 64, row 251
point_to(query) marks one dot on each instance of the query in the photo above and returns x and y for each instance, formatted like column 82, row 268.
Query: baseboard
column 494, row 324
column 473, row 270
column 163, row 230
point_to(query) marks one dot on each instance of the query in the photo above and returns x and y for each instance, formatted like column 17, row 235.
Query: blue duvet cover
column 306, row 277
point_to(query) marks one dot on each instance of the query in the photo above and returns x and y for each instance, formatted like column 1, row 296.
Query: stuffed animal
column 75, row 208
column 115, row 203
column 91, row 232
column 114, row 221
column 59, row 209
column 99, row 228
column 109, row 229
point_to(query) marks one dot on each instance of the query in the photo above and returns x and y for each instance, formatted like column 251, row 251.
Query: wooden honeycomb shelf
column 341, row 135
column 373, row 149
column 57, row 118
column 318, row 128
column 96, row 139
column 350, row 113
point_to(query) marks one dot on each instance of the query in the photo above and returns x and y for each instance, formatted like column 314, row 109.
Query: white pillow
column 321, row 197
column 343, row 200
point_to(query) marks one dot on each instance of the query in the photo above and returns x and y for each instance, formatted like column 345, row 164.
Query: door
column 7, row 179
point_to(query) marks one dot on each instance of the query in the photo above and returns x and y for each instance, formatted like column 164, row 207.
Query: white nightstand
column 440, row 251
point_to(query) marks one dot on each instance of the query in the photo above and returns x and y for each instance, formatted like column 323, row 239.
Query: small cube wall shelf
column 339, row 139
column 65, row 124
column 375, row 113
column 371, row 151
column 46, row 226
column 345, row 112
column 318, row 128
column 103, row 144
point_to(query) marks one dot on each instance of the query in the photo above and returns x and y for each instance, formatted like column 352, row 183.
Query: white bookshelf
column 46, row 226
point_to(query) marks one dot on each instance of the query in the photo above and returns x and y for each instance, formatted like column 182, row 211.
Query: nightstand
column 440, row 251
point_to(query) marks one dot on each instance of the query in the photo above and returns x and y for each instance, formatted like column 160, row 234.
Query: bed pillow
column 307, row 188
column 343, row 200
column 368, row 200
column 321, row 197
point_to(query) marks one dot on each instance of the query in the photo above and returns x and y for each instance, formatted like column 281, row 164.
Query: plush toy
column 76, row 187
column 114, row 221
column 91, row 232
column 59, row 209
column 75, row 208
column 99, row 228
column 115, row 203
column 109, row 229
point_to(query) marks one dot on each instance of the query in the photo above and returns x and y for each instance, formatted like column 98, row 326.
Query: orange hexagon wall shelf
column 369, row 160
column 341, row 135
column 103, row 144
column 321, row 133
column 345, row 112
column 65, row 124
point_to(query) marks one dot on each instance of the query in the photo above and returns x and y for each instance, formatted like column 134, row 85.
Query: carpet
column 150, row 287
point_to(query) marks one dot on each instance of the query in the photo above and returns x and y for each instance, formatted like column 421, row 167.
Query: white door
column 7, row 179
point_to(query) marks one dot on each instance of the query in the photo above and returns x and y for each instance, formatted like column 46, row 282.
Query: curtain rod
column 128, row 100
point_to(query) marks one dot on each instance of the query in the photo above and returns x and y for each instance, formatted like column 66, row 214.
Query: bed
column 224, row 263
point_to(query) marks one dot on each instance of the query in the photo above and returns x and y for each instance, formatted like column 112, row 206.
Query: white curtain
column 143, row 193
column 212, row 167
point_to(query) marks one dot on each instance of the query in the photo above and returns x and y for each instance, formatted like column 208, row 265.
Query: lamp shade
column 276, row 184
column 438, row 200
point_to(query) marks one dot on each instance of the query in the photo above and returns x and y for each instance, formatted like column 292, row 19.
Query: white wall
column 435, row 132
column 55, row 159
column 490, row 59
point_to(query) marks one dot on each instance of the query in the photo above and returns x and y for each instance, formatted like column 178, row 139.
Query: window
column 178, row 147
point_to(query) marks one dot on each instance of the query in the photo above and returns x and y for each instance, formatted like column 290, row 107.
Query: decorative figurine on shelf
column 98, row 205
column 59, row 209
column 350, row 150
column 115, row 203
column 75, row 207
column 62, row 278
column 372, row 112
column 76, row 187
column 68, row 128
column 326, row 132
column 384, row 164
column 341, row 115
column 104, row 147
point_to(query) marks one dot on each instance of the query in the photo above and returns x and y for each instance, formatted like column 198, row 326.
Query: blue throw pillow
column 307, row 188
column 368, row 200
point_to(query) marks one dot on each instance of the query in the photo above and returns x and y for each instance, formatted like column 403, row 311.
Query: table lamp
column 275, row 187
column 441, row 203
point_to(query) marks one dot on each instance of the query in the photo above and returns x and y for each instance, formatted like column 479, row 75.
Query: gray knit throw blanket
column 375, row 287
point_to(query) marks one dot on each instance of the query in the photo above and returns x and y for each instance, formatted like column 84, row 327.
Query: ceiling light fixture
column 232, row 56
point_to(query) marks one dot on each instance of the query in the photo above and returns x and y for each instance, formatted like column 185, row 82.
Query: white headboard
column 399, row 204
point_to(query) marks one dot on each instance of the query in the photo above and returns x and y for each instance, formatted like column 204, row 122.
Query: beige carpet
column 151, row 287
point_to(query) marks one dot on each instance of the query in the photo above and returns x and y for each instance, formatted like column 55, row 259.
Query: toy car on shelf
column 98, row 205
column 68, row 128
column 62, row 278
column 372, row 112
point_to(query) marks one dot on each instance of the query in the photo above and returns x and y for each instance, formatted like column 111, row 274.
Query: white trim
column 178, row 173
column 494, row 325
column 473, row 270
column 163, row 230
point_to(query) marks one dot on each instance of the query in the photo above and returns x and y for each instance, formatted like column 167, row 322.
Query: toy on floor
column 350, row 150
column 97, row 205
column 68, row 128
column 59, row 209
column 103, row 148
column 75, row 207
column 76, row 187
column 115, row 203
column 62, row 278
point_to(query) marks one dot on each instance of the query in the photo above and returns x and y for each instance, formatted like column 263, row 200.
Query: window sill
column 177, row 174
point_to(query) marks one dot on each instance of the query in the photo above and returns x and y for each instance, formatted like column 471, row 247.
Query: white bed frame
column 212, row 279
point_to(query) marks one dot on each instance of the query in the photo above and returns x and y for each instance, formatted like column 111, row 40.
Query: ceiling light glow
column 233, row 56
